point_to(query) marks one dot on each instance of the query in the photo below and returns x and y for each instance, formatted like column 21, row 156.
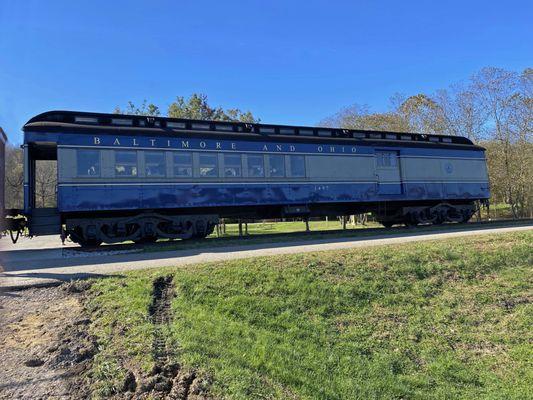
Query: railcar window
column 232, row 165
column 223, row 127
column 276, row 165
column 183, row 164
column 154, row 163
column 180, row 125
column 121, row 121
column 297, row 164
column 126, row 163
column 286, row 131
column 88, row 162
column 208, row 165
column 200, row 126
column 386, row 159
column 256, row 166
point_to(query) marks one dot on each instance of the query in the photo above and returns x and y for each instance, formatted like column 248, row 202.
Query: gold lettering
column 219, row 146
column 135, row 142
column 292, row 148
column 96, row 140
column 278, row 147
column 185, row 144
column 116, row 142
column 265, row 148
column 202, row 145
column 320, row 149
column 233, row 146
column 331, row 149
column 168, row 143
column 353, row 149
column 153, row 142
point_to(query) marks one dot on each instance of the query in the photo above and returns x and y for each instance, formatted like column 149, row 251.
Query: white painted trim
column 213, row 151
column 258, row 183
column 260, row 152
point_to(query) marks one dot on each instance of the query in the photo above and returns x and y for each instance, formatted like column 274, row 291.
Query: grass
column 281, row 232
column 265, row 228
column 268, row 232
column 446, row 319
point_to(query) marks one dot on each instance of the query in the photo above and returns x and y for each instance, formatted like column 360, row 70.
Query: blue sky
column 292, row 62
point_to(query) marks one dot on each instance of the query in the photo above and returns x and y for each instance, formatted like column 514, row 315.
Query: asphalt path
column 41, row 263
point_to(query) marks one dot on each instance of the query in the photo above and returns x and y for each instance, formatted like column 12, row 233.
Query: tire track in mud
column 161, row 317
column 170, row 381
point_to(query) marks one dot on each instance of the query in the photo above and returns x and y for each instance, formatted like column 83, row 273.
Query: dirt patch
column 44, row 346
column 167, row 380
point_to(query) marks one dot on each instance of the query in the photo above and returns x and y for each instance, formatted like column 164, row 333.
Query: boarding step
column 45, row 221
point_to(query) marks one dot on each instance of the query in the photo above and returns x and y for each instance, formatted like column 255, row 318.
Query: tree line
column 493, row 108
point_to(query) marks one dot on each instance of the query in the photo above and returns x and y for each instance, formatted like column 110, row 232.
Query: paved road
column 45, row 264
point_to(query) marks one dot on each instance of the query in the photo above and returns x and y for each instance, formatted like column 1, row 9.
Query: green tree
column 195, row 106
column 144, row 109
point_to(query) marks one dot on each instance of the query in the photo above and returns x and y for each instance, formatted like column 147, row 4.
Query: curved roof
column 76, row 120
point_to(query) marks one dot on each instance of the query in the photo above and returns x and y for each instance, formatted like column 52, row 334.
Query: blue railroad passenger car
column 124, row 177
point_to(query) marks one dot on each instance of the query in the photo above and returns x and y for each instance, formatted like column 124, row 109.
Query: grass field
column 446, row 319
column 262, row 228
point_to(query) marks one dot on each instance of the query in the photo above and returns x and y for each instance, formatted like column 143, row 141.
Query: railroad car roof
column 76, row 121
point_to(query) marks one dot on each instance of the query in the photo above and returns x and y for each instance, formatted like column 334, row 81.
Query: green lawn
column 262, row 228
column 447, row 319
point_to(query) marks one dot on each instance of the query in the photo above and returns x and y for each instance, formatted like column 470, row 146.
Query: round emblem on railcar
column 448, row 167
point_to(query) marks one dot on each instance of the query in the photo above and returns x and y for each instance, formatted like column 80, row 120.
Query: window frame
column 241, row 169
column 248, row 169
column 164, row 163
column 190, row 165
column 203, row 165
column 391, row 157
column 290, row 171
column 284, row 172
column 99, row 159
column 135, row 152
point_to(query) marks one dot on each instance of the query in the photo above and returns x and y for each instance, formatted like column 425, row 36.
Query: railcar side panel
column 333, row 174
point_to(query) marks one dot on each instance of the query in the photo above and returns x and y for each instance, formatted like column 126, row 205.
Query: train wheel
column 410, row 220
column 438, row 221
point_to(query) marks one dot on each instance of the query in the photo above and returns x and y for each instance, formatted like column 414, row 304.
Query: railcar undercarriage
column 142, row 228
column 426, row 215
column 150, row 226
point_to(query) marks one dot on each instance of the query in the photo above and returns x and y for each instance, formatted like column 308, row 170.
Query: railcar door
column 388, row 172
column 41, row 188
